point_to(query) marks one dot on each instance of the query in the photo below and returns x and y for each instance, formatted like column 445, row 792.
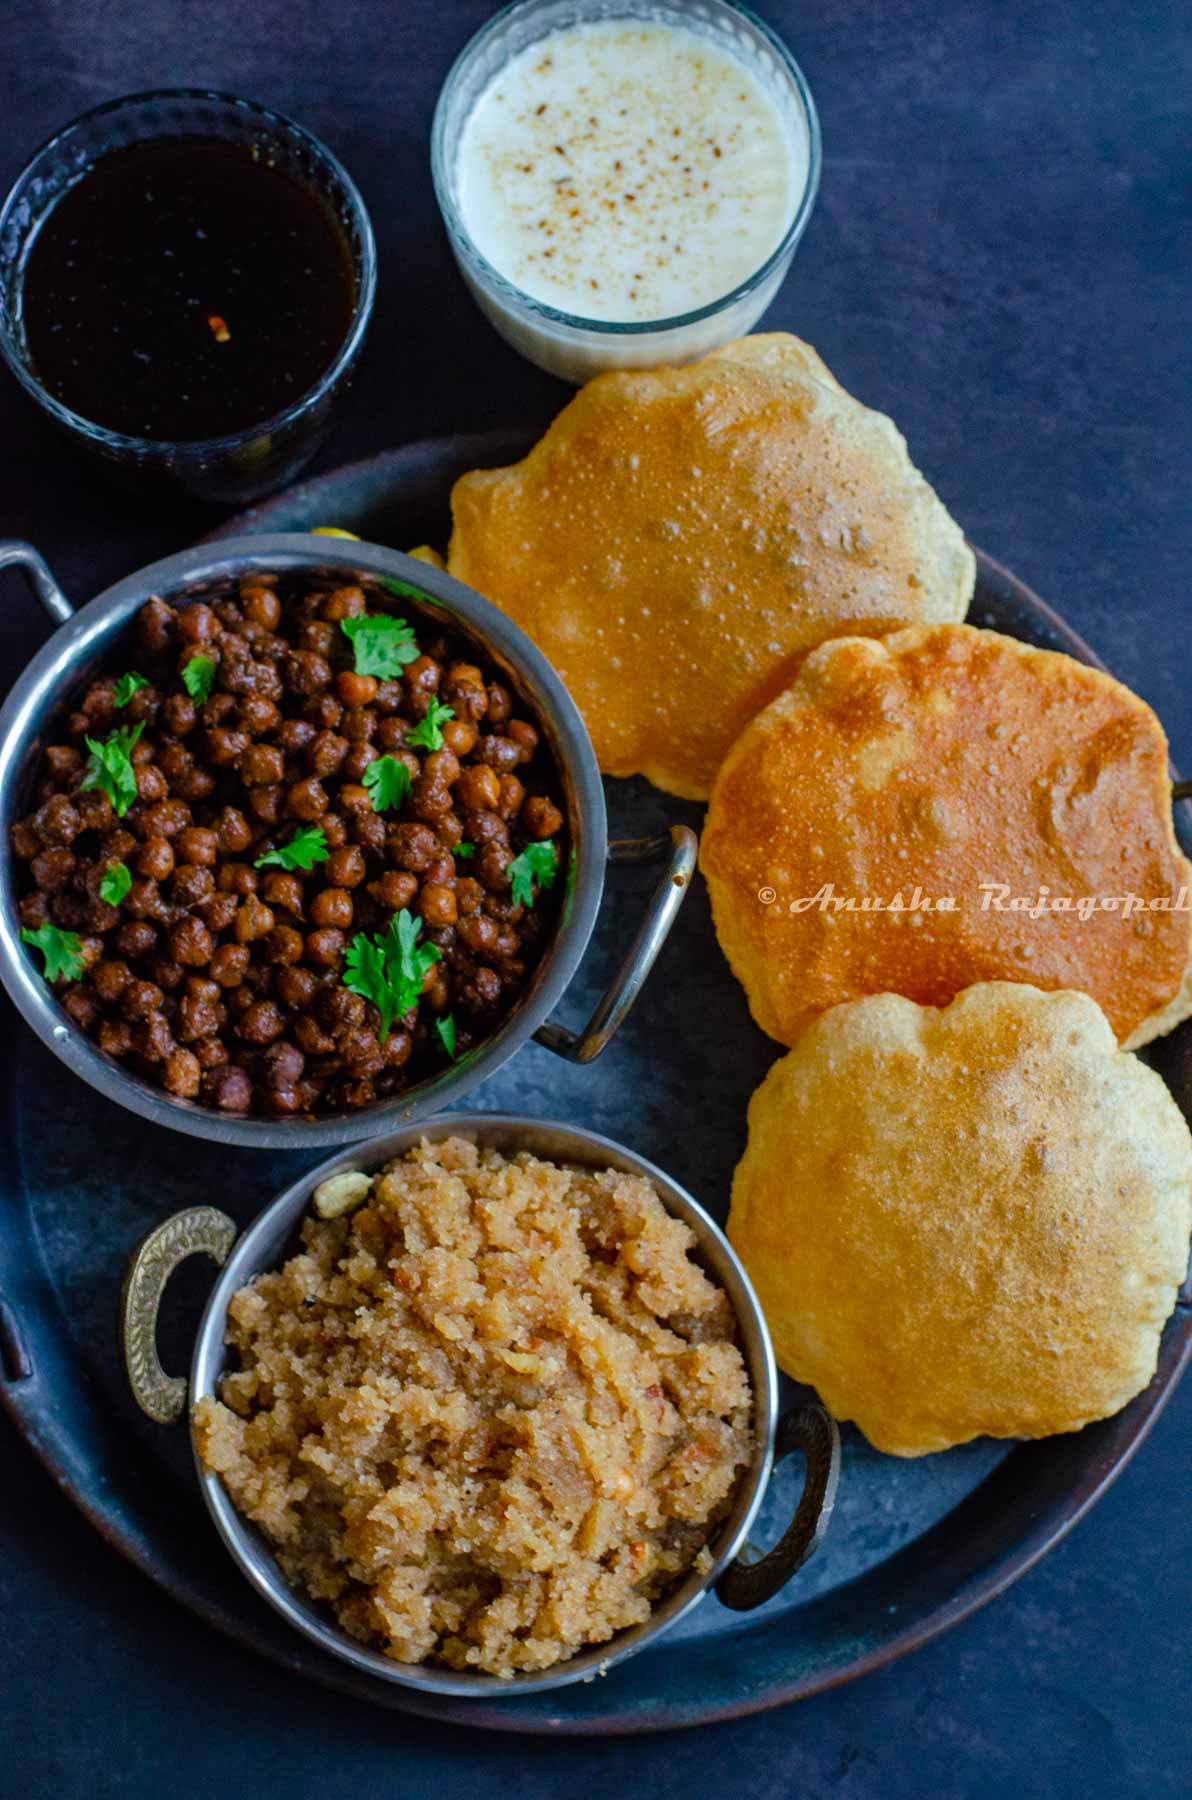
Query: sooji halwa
column 292, row 857
column 492, row 1415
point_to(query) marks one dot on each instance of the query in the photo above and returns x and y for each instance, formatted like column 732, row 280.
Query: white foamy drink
column 629, row 171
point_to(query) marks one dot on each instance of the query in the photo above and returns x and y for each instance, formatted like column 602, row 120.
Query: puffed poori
column 680, row 538
column 1028, row 790
column 965, row 1222
column 489, row 1416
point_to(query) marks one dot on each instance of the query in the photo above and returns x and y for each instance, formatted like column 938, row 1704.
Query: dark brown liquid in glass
column 183, row 289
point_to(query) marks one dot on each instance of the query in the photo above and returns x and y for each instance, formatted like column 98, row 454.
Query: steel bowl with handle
column 740, row 1578
column 82, row 648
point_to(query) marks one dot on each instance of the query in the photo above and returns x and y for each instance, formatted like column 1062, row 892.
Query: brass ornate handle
column 747, row 1583
column 199, row 1230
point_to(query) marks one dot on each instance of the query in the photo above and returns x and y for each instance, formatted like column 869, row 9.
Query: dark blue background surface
column 1000, row 258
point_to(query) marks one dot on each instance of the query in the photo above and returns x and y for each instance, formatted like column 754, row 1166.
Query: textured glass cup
column 565, row 343
column 245, row 464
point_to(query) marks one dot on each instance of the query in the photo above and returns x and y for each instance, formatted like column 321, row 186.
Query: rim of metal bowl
column 261, row 1246
column 39, row 693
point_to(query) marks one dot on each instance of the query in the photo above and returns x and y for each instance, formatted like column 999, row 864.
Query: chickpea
column 500, row 753
column 540, row 817
column 284, row 945
column 115, row 1037
column 261, row 1024
column 178, row 712
column 265, row 803
column 196, row 624
column 339, row 1010
column 156, row 859
column 190, row 943
column 524, row 734
column 224, row 748
column 357, row 760
column 441, row 766
column 317, row 635
column 325, row 752
column 228, row 1088
column 335, row 831
column 345, row 868
column 182, row 1073
column 459, row 736
column 485, row 828
column 261, row 765
column 481, row 990
column 135, row 939
column 152, row 1038
column 436, row 903
column 296, row 987
column 478, row 788
column 197, row 845
column 306, row 799
column 332, row 906
column 469, row 895
column 305, row 671
column 500, row 702
column 237, row 878
column 359, row 727
column 394, row 890
column 110, row 980
column 368, row 830
column 421, row 679
column 140, row 998
column 57, row 822
column 343, row 603
column 94, row 810
column 80, row 1004
column 34, row 910
column 324, row 947
column 397, row 1048
column 191, row 883
column 282, row 1065
column 253, row 921
column 166, row 819
column 218, row 912
column 257, row 715
column 356, row 690
column 229, row 963
column 355, row 799
column 410, row 846
column 261, row 606
column 295, row 734
column 232, row 831
column 391, row 735
column 210, row 1052
column 478, row 934
column 492, row 866
column 281, row 888
column 312, row 1038
column 323, row 712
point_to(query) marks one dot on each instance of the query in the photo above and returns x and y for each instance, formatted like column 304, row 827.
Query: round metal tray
column 914, row 1546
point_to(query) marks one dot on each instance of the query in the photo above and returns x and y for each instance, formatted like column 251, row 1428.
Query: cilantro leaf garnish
column 446, row 1033
column 537, row 862
column 389, row 968
column 388, row 782
column 464, row 849
column 403, row 589
column 114, row 883
column 427, row 734
column 62, row 951
column 306, row 848
column 127, row 686
column 198, row 677
column 110, row 767
column 382, row 645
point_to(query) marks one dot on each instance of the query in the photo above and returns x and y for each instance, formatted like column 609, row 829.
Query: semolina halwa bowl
column 365, row 1557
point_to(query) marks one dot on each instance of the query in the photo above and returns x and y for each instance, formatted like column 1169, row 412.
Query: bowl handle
column 14, row 554
column 748, row 1582
column 198, row 1229
column 679, row 845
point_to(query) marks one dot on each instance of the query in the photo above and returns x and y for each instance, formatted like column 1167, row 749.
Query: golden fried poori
column 1025, row 788
column 680, row 538
column 965, row 1222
